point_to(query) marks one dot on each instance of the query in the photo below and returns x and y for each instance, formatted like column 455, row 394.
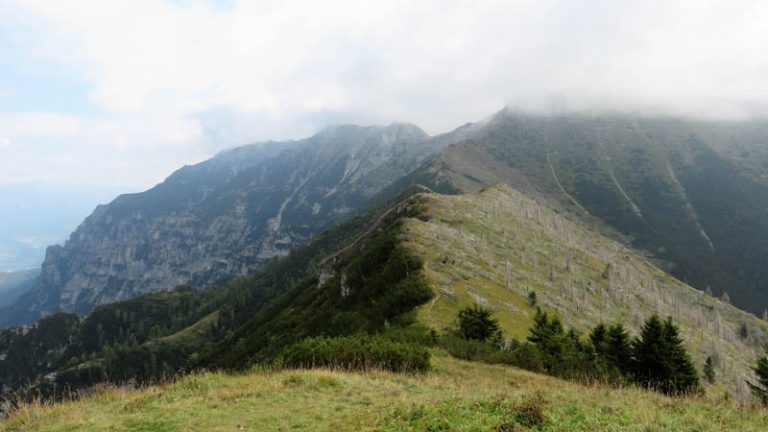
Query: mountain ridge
column 496, row 246
column 669, row 187
column 492, row 248
column 221, row 218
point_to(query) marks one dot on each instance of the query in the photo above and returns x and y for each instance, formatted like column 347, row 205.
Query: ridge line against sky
column 90, row 89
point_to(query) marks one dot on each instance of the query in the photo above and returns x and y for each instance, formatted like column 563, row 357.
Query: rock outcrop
column 220, row 218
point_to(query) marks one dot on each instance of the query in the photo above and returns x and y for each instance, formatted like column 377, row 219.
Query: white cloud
column 180, row 80
column 5, row 143
column 127, row 151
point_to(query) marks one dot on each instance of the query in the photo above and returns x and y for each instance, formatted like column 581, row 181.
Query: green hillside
column 232, row 325
column 692, row 194
column 455, row 396
column 495, row 247
column 418, row 261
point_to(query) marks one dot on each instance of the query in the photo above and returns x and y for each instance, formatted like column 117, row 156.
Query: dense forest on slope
column 160, row 334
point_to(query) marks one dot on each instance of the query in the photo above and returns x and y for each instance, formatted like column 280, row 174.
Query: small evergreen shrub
column 709, row 370
column 760, row 389
column 477, row 323
column 532, row 300
column 358, row 352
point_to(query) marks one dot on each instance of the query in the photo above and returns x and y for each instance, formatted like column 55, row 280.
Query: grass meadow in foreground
column 454, row 396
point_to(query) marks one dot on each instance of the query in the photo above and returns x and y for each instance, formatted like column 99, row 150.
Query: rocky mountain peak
column 221, row 218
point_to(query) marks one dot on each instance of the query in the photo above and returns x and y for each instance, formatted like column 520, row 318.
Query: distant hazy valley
column 35, row 217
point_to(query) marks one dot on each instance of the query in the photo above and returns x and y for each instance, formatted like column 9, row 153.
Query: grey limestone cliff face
column 222, row 218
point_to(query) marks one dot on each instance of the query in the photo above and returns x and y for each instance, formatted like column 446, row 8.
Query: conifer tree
column 649, row 353
column 709, row 370
column 541, row 331
column 685, row 378
column 532, row 298
column 618, row 350
column 575, row 339
column 661, row 361
column 598, row 339
column 548, row 336
column 562, row 352
column 477, row 323
column 760, row 390
column 612, row 351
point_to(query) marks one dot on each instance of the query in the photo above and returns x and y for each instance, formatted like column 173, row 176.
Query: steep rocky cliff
column 221, row 218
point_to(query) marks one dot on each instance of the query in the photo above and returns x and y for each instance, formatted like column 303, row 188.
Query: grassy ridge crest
column 497, row 246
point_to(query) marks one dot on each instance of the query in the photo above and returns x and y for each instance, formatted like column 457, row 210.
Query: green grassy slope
column 455, row 396
column 494, row 247
column 491, row 248
column 690, row 193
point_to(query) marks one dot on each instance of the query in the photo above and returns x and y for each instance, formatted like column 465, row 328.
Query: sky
column 33, row 217
column 120, row 93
